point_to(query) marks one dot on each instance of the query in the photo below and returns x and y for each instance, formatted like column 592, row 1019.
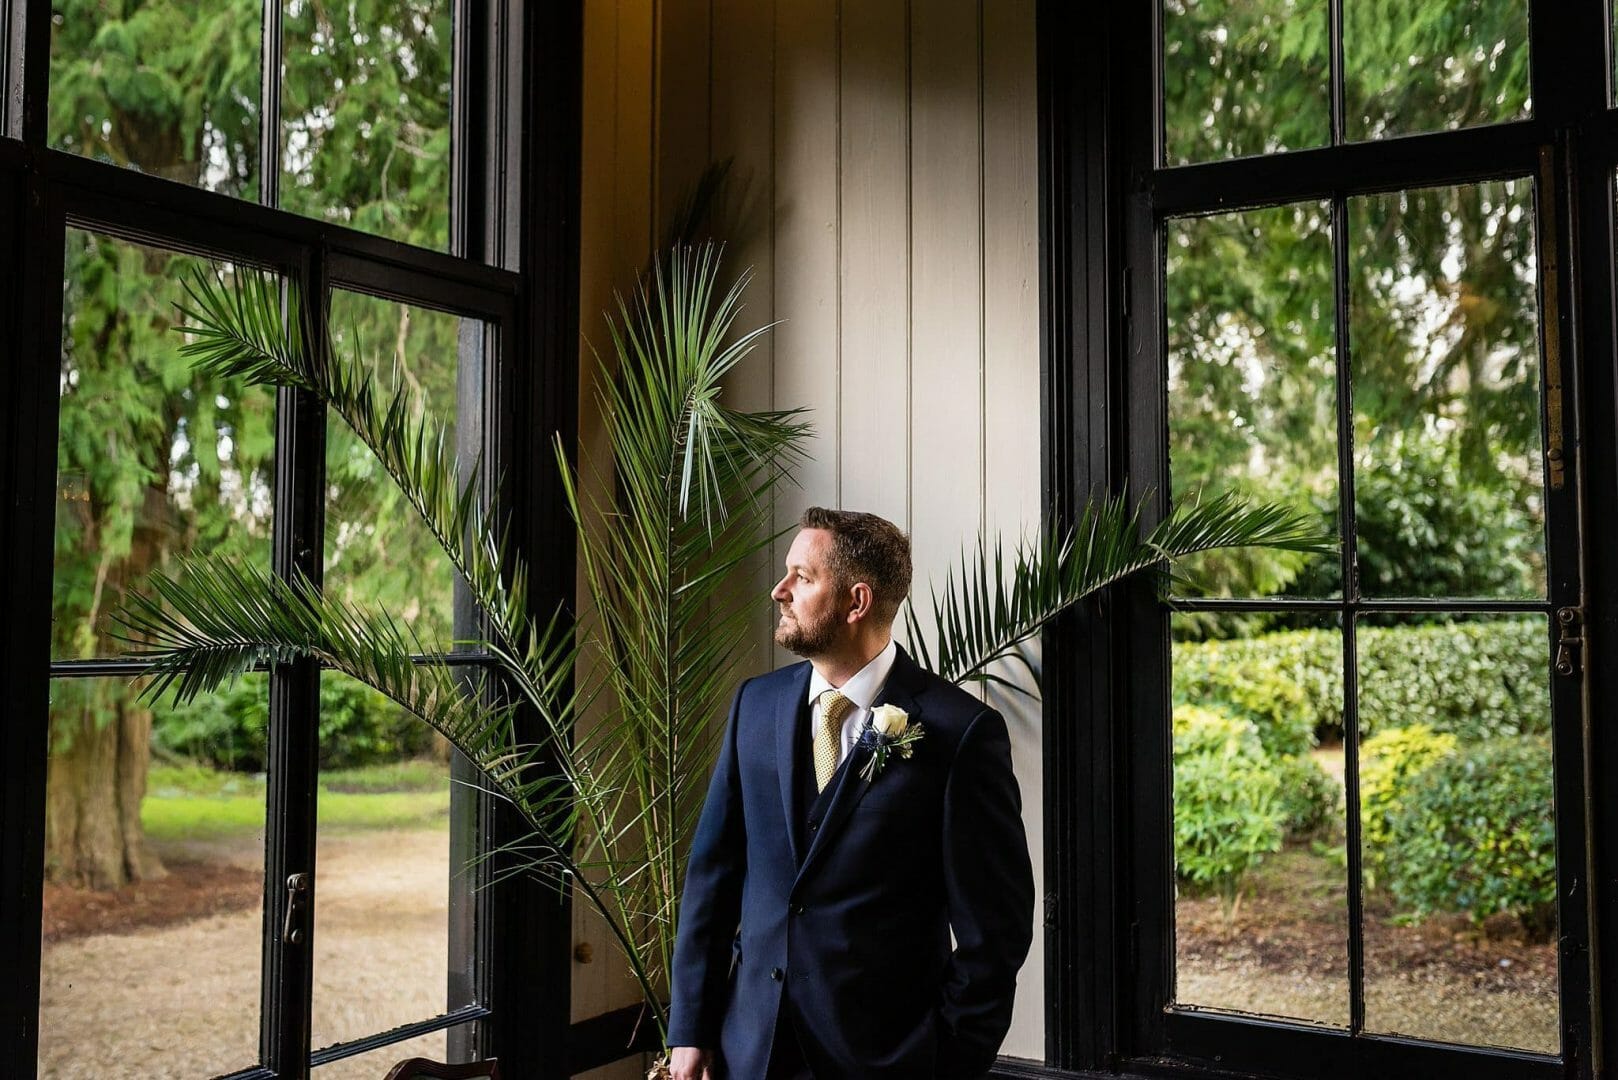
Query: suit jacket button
column 797, row 909
column 777, row 974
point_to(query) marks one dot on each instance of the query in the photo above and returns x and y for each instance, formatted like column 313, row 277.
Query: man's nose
column 779, row 593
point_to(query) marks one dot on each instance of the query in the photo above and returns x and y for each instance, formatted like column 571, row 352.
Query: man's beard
column 807, row 640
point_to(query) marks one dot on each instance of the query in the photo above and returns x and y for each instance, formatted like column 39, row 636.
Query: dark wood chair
column 423, row 1069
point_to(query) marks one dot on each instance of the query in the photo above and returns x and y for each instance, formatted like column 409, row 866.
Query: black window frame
column 1104, row 197
column 513, row 264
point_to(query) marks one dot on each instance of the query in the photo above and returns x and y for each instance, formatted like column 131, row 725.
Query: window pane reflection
column 1252, row 395
column 365, row 117
column 1261, row 909
column 382, row 907
column 379, row 553
column 167, row 88
column 1415, row 65
column 1449, row 469
column 154, row 887
column 154, row 460
column 1244, row 77
column 1459, row 830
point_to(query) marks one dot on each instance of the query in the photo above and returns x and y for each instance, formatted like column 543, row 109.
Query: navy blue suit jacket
column 849, row 929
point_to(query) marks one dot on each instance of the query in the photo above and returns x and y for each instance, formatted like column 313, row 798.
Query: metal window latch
column 297, row 905
column 1570, row 641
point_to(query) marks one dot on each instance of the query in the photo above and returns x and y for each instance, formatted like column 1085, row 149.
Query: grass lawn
column 190, row 802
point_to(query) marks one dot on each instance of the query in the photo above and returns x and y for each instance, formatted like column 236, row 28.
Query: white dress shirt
column 863, row 690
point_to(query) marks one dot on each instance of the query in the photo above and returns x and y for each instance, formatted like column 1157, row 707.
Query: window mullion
column 269, row 120
column 300, row 455
column 1349, row 535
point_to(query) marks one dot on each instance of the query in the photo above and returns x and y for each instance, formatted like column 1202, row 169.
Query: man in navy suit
column 861, row 811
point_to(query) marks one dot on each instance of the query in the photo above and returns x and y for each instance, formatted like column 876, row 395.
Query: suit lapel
column 851, row 787
column 788, row 748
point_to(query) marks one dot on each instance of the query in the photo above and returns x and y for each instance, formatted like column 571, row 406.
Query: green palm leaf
column 986, row 611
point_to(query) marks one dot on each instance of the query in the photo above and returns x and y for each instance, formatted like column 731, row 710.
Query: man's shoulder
column 779, row 681
column 936, row 695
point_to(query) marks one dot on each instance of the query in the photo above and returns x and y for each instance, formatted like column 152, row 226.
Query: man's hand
column 690, row 1063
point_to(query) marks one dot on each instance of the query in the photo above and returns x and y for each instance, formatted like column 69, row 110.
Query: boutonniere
column 888, row 732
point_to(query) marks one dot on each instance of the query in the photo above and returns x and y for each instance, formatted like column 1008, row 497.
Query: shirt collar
column 864, row 687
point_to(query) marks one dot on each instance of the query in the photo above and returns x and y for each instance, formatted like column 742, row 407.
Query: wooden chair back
column 422, row 1069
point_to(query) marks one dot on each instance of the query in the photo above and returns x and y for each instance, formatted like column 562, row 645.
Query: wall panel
column 884, row 190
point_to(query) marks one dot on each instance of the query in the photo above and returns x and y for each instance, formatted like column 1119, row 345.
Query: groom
column 861, row 811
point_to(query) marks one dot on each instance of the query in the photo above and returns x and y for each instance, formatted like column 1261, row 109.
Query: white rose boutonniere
column 888, row 732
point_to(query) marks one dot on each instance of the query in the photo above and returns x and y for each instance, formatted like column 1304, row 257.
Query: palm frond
column 241, row 328
column 985, row 611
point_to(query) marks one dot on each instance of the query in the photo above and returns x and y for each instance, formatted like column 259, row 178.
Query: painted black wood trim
column 133, row 204
column 613, row 1036
column 1597, row 452
column 1080, row 198
column 399, row 1034
column 409, row 285
column 1411, row 161
column 33, row 68
column 12, row 40
column 113, row 667
column 1254, row 1045
column 531, row 980
column 31, row 348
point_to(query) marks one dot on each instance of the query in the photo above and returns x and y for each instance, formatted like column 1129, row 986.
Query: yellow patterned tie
column 829, row 736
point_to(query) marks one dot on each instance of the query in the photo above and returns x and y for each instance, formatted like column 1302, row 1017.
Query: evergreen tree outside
column 153, row 461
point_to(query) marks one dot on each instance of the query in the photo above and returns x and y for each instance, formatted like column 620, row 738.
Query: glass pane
column 154, row 460
column 379, row 553
column 153, row 910
column 365, row 116
column 1459, row 830
column 1449, row 482
column 168, row 87
column 1415, row 65
column 1252, row 401
column 1244, row 77
column 1261, row 912
column 382, row 907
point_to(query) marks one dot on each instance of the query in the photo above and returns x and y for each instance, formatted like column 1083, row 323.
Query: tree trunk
column 100, row 742
column 95, row 783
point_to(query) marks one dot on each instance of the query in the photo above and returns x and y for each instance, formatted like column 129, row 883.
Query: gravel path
column 183, row 1001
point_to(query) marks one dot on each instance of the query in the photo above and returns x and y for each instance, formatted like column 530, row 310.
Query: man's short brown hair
column 866, row 548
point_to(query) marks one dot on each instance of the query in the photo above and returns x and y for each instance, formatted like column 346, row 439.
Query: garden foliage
column 230, row 729
column 1478, row 680
column 1228, row 812
column 1474, row 832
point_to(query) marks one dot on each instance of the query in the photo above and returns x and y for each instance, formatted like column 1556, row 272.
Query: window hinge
column 1570, row 641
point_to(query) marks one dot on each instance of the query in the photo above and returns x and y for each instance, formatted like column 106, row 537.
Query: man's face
column 811, row 601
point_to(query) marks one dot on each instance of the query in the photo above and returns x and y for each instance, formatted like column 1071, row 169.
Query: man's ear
column 861, row 597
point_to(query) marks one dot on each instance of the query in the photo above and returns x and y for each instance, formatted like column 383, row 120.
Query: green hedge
column 229, row 729
column 1227, row 810
column 1479, row 680
column 1473, row 831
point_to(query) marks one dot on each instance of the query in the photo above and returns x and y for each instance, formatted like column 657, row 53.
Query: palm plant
column 628, row 692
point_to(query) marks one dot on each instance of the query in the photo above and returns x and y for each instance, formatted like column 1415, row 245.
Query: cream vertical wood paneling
column 946, row 315
column 1011, row 399
column 743, row 132
column 874, row 260
column 681, row 63
column 615, row 230
column 805, row 235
